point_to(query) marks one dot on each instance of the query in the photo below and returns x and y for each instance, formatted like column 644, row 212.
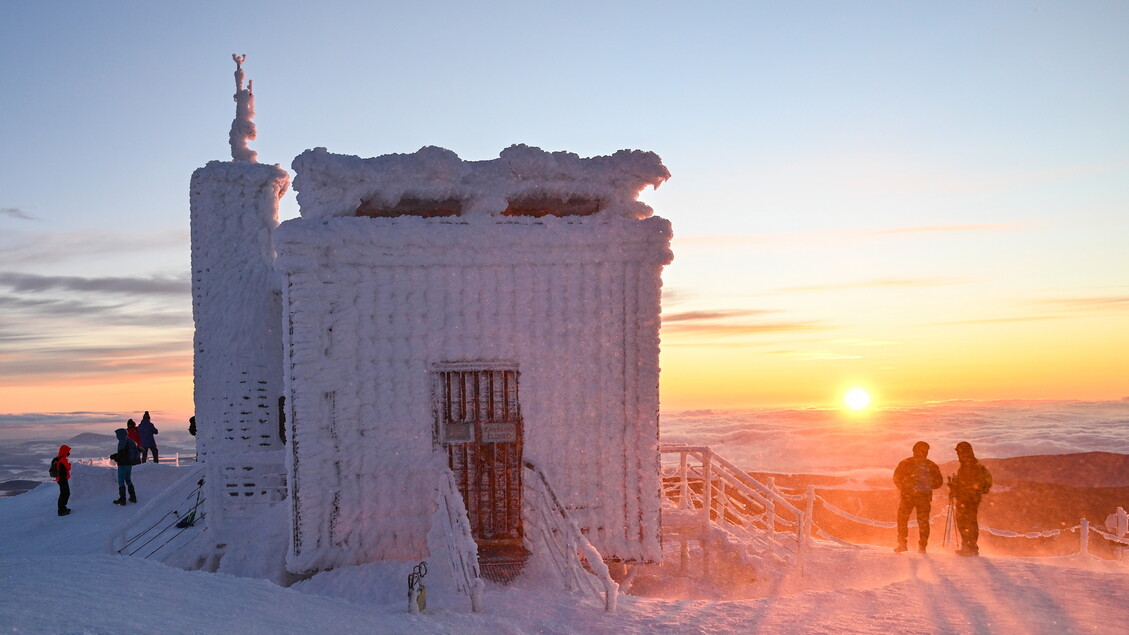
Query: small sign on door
column 499, row 432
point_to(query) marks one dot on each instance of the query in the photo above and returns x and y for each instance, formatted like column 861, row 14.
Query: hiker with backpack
column 126, row 457
column 146, row 430
column 971, row 482
column 61, row 470
column 916, row 478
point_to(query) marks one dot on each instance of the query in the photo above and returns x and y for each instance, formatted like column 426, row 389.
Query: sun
column 857, row 399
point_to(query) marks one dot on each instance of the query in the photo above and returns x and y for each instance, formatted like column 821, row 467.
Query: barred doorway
column 478, row 421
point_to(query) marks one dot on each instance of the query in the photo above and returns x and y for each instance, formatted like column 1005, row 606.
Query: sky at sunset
column 929, row 200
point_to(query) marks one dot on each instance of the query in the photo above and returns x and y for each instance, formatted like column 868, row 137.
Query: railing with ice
column 166, row 524
column 708, row 494
column 460, row 542
column 577, row 562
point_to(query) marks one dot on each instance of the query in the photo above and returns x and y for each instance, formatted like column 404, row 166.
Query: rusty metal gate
column 479, row 422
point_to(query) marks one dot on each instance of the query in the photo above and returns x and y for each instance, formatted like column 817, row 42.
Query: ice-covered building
column 425, row 314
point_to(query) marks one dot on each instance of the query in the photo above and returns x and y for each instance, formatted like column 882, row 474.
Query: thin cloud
column 998, row 320
column 1094, row 303
column 936, row 229
column 837, row 235
column 724, row 330
column 15, row 212
column 22, row 249
column 160, row 358
column 898, row 283
column 718, row 314
column 152, row 285
column 37, row 312
column 813, row 356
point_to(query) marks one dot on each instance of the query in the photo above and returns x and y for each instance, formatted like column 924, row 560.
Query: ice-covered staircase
column 730, row 515
column 165, row 526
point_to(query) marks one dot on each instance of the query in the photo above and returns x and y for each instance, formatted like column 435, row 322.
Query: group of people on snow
column 135, row 441
column 917, row 477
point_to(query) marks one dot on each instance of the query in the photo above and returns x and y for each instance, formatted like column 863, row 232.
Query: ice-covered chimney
column 242, row 127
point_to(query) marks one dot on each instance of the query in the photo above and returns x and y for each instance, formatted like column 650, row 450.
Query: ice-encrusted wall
column 236, row 306
column 370, row 304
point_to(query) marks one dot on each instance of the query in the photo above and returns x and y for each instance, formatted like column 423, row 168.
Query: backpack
column 54, row 471
column 131, row 453
column 985, row 479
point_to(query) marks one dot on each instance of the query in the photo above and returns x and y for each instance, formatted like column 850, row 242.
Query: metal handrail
column 461, row 546
column 732, row 500
column 565, row 544
column 164, row 530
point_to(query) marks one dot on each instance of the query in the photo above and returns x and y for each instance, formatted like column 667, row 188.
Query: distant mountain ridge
column 1083, row 469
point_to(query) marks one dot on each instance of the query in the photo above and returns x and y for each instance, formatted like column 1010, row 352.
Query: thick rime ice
column 236, row 306
column 242, row 127
column 538, row 274
column 373, row 304
column 522, row 181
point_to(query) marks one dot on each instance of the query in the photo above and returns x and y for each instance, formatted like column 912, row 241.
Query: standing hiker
column 63, row 471
column 971, row 482
column 132, row 433
column 126, row 457
column 146, row 430
column 916, row 478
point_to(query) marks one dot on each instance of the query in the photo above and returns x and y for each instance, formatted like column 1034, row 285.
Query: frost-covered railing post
column 684, row 481
column 460, row 541
column 809, row 509
column 564, row 542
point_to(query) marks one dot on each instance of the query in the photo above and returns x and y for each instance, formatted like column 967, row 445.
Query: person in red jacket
column 64, row 478
column 132, row 433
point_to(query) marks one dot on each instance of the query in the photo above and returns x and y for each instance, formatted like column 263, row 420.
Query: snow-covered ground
column 56, row 577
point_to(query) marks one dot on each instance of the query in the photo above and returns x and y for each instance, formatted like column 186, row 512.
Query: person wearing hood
column 916, row 478
column 146, row 430
column 131, row 431
column 64, row 478
column 126, row 457
column 969, row 485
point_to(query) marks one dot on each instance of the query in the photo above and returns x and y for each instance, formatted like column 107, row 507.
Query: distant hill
column 1085, row 469
column 91, row 438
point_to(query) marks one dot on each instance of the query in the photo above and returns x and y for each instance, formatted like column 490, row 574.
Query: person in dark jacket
column 126, row 449
column 146, row 430
column 64, row 478
column 971, row 482
column 916, row 478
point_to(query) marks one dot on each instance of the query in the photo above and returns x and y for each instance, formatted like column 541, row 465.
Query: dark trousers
column 922, row 502
column 145, row 454
column 64, row 492
column 965, row 516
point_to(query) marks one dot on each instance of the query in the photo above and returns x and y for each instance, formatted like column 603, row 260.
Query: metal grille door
column 480, row 425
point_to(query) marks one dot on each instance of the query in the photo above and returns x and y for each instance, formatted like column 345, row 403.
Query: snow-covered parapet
column 522, row 182
column 242, row 127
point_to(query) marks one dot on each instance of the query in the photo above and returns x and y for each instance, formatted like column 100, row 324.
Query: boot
column 121, row 496
column 132, row 494
column 900, row 548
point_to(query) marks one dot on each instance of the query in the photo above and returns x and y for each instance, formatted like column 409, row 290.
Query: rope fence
column 1118, row 523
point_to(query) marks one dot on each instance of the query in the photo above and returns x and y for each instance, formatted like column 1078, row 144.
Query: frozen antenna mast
column 242, row 128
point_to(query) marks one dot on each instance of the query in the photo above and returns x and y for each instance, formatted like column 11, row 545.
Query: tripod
column 948, row 540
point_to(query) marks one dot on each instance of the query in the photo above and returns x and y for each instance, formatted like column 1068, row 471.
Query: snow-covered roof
column 522, row 181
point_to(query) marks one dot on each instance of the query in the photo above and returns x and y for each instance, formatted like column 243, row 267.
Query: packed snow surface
column 57, row 577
